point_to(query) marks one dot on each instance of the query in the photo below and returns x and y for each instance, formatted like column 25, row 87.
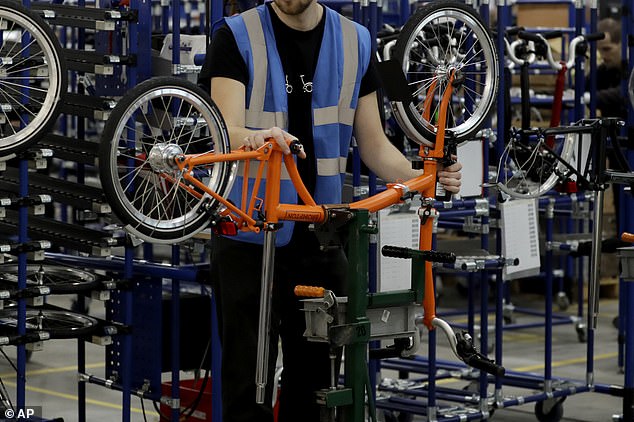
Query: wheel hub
column 162, row 157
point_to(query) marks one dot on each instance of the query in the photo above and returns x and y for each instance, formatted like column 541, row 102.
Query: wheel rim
column 58, row 323
column 153, row 130
column 467, row 51
column 58, row 278
column 30, row 80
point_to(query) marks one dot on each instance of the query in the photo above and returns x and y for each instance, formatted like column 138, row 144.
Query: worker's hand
column 450, row 176
column 281, row 137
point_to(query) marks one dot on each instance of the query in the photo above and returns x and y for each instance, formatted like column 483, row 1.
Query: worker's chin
column 293, row 7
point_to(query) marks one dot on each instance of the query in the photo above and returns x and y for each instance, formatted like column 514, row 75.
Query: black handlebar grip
column 552, row 34
column 397, row 252
column 431, row 256
column 529, row 36
column 486, row 365
column 511, row 32
column 296, row 147
column 595, row 37
column 442, row 257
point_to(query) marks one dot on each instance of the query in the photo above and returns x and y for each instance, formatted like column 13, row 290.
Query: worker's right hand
column 257, row 138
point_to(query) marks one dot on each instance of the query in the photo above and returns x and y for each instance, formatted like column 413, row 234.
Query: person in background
column 611, row 71
column 291, row 69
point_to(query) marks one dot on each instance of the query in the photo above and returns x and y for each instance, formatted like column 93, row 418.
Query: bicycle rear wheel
column 33, row 77
column 440, row 38
column 59, row 324
column 152, row 124
column 529, row 170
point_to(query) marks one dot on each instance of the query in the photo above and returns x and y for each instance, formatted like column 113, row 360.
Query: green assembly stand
column 352, row 322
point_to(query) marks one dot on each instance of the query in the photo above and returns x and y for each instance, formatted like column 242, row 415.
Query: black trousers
column 235, row 275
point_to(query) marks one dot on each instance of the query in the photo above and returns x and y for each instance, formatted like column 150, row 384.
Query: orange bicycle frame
column 269, row 158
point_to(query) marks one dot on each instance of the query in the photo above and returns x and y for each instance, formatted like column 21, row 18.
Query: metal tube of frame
column 264, row 325
column 595, row 261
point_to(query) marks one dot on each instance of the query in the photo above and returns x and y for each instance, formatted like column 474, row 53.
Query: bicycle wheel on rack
column 157, row 120
column 440, row 38
column 58, row 323
column 530, row 169
column 33, row 77
column 59, row 278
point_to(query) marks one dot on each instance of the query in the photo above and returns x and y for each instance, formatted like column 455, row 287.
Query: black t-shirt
column 298, row 52
column 609, row 96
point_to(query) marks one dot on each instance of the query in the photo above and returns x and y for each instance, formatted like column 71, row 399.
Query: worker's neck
column 303, row 21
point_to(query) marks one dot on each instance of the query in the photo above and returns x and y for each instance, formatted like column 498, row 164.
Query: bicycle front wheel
column 152, row 124
column 441, row 39
column 32, row 78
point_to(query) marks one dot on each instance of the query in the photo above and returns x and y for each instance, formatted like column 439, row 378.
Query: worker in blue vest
column 292, row 69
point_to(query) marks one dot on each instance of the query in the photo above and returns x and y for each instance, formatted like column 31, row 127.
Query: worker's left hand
column 450, row 176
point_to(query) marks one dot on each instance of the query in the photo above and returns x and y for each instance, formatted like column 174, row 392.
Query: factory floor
column 51, row 376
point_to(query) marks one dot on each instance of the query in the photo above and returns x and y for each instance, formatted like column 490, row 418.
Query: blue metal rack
column 549, row 384
column 132, row 305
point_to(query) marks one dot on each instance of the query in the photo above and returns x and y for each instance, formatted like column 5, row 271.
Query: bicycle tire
column 60, row 324
column 60, row 279
column 532, row 173
column 154, row 207
column 33, row 78
column 421, row 54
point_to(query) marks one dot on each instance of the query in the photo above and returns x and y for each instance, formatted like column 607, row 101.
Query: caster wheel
column 29, row 354
column 615, row 322
column 562, row 301
column 582, row 335
column 508, row 314
column 390, row 416
column 554, row 414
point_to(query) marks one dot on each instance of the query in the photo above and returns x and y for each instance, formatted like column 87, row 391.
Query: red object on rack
column 555, row 117
column 189, row 390
column 569, row 186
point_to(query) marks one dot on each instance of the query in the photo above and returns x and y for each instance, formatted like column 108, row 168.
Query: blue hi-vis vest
column 343, row 60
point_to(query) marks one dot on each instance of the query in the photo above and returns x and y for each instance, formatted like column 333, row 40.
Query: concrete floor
column 52, row 380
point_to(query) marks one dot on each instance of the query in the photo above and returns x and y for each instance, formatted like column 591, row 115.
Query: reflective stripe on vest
column 343, row 59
